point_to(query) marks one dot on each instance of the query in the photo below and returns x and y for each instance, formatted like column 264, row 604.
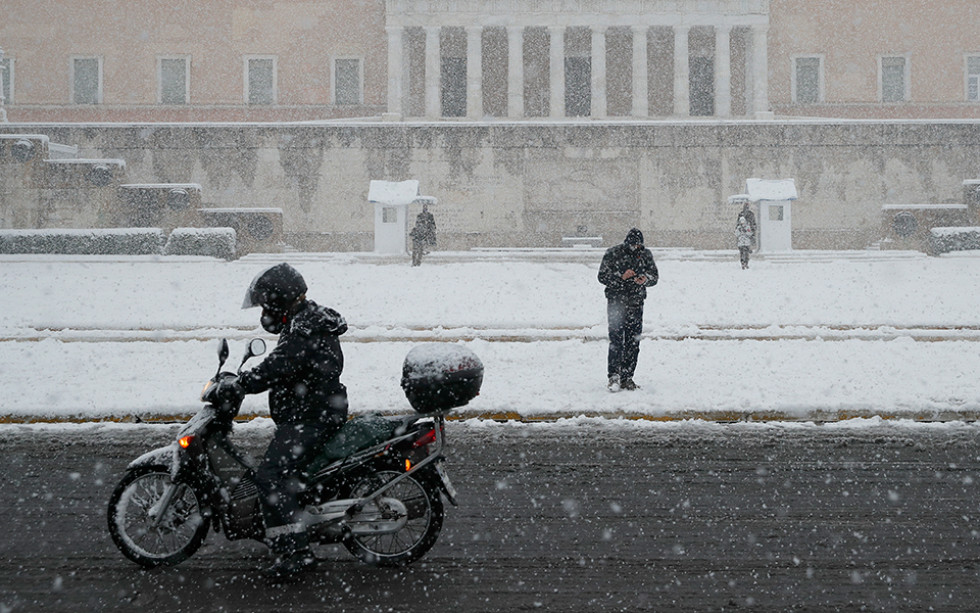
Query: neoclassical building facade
column 496, row 60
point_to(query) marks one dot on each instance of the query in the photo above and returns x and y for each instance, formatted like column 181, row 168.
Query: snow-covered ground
column 802, row 336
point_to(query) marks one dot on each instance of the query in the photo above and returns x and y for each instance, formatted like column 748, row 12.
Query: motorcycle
column 377, row 486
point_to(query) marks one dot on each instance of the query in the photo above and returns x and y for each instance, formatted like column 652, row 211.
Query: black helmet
column 275, row 288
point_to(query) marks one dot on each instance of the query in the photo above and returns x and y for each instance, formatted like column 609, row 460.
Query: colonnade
column 755, row 94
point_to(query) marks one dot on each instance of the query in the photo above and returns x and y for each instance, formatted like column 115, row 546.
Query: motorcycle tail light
column 185, row 441
column 426, row 439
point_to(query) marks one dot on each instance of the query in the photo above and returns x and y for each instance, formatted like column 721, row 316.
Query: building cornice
column 571, row 13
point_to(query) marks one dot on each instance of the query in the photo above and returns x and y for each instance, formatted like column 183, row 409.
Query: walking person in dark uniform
column 627, row 270
column 307, row 401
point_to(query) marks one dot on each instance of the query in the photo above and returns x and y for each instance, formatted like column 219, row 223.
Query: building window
column 389, row 214
column 973, row 78
column 260, row 80
column 7, row 79
column 894, row 78
column 347, row 81
column 174, row 78
column 86, row 80
column 808, row 80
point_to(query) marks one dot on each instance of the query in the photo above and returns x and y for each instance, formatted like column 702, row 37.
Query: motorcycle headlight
column 207, row 388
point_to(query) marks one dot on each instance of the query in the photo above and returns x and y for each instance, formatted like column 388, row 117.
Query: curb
column 816, row 416
column 594, row 333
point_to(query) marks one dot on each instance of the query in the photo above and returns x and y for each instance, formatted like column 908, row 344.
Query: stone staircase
column 46, row 185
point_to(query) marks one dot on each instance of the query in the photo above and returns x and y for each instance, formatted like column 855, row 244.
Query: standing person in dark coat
column 626, row 271
column 307, row 401
column 423, row 235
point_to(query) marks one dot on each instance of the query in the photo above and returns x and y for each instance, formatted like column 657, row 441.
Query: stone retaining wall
column 530, row 184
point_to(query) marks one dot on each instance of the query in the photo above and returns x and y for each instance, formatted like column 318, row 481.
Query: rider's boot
column 292, row 553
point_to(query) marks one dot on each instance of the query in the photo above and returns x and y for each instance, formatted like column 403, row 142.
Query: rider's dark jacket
column 302, row 373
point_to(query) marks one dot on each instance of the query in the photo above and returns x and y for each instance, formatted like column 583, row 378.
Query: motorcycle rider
column 307, row 402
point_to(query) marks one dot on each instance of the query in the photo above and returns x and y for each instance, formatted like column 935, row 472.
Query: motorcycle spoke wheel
column 423, row 522
column 139, row 535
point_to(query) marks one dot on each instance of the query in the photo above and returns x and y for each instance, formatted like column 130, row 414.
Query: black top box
column 441, row 376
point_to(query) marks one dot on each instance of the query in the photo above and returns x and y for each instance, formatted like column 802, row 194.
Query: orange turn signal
column 185, row 441
column 408, row 465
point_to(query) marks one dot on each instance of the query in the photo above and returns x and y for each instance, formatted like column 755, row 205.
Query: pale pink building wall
column 851, row 35
column 304, row 36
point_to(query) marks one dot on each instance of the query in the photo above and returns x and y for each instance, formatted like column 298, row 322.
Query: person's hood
column 634, row 237
column 315, row 319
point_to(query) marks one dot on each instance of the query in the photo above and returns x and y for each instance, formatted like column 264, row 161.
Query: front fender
column 162, row 456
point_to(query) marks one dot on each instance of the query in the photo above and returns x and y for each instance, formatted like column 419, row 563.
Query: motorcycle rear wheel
column 416, row 537
column 167, row 542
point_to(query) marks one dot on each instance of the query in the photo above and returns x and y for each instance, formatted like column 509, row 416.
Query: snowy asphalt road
column 580, row 515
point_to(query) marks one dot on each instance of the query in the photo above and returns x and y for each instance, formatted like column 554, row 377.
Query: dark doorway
column 702, row 86
column 578, row 86
column 454, row 87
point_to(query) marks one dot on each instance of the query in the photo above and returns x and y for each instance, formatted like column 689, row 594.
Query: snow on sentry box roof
column 771, row 189
column 393, row 192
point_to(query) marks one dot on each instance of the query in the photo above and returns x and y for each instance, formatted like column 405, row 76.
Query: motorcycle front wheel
column 145, row 539
column 423, row 512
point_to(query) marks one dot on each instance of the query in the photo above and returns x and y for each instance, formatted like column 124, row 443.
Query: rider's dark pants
column 292, row 449
column 625, row 327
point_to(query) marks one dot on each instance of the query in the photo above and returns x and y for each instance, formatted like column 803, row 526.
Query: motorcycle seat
column 359, row 432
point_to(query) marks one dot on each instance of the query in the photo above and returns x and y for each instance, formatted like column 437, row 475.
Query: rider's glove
column 230, row 393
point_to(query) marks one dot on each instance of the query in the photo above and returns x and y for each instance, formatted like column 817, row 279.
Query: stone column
column 760, row 72
column 557, row 70
column 682, row 70
column 723, row 71
column 433, row 73
column 3, row 97
column 474, row 72
column 641, row 91
column 598, row 72
column 515, row 72
column 396, row 52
